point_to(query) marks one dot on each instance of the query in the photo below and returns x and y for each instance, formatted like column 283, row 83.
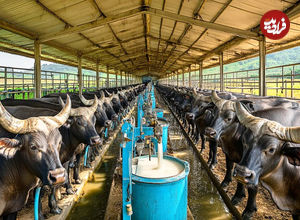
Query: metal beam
column 186, row 29
column 209, row 25
column 90, row 25
column 221, row 72
column 262, row 67
column 37, row 69
column 223, row 8
column 80, row 85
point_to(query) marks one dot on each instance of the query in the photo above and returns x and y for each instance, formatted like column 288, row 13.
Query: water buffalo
column 30, row 155
column 270, row 156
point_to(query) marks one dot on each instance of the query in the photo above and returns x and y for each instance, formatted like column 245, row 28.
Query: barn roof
column 148, row 37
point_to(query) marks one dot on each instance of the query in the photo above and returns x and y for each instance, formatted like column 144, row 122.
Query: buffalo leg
column 11, row 216
column 53, row 203
column 77, row 169
column 213, row 154
column 251, row 203
column 229, row 167
column 68, row 185
column 202, row 142
column 239, row 194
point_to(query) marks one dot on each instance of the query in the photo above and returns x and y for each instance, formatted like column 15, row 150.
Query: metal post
column 97, row 75
column 107, row 76
column 79, row 74
column 177, row 78
column 190, row 83
column 5, row 79
column 121, row 82
column 182, row 77
column 37, row 69
column 201, row 74
column 221, row 72
column 262, row 67
column 116, row 79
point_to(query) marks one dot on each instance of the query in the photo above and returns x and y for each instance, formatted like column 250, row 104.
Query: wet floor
column 203, row 198
column 96, row 192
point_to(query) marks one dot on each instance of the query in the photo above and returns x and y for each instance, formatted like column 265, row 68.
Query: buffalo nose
column 190, row 116
column 107, row 123
column 243, row 174
column 115, row 117
column 57, row 176
column 95, row 140
column 210, row 132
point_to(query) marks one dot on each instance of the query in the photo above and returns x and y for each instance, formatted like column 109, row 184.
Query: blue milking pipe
column 86, row 154
column 36, row 202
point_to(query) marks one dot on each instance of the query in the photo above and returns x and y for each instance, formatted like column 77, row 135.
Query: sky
column 11, row 60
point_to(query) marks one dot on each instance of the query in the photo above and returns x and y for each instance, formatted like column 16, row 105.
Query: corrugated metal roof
column 141, row 37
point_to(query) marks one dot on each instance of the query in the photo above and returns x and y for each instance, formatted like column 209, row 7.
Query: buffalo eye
column 271, row 150
column 33, row 147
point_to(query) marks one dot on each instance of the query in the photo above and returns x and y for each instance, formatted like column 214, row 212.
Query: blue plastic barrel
column 161, row 198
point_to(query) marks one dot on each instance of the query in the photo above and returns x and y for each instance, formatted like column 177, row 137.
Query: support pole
column 177, row 78
column 200, row 75
column 221, row 72
column 262, row 67
column 121, row 81
column 182, row 77
column 125, row 79
column 190, row 83
column 37, row 69
column 116, row 79
column 97, row 75
column 79, row 74
column 107, row 77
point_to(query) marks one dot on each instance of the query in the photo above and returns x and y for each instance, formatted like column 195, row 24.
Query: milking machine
column 154, row 185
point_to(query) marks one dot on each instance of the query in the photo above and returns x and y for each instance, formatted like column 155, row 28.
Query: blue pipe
column 36, row 203
column 106, row 133
column 86, row 154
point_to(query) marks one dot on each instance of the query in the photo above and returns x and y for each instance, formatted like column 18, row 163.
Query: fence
column 282, row 81
column 19, row 82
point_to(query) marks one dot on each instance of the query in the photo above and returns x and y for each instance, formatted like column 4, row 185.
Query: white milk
column 149, row 169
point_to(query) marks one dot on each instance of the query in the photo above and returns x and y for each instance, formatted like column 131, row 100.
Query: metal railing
column 19, row 82
column 282, row 81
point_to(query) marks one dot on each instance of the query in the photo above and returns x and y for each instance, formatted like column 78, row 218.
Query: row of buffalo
column 42, row 139
column 259, row 136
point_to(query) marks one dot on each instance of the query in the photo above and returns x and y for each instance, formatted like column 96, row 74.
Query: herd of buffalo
column 259, row 136
column 42, row 139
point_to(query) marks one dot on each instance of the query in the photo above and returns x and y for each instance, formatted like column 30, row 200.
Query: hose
column 86, row 154
column 36, row 202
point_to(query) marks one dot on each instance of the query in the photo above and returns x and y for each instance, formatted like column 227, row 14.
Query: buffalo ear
column 9, row 147
column 292, row 153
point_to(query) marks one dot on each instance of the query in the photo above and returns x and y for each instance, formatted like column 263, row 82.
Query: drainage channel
column 96, row 191
column 204, row 199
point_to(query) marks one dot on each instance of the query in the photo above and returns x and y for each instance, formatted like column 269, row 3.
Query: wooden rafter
column 186, row 29
column 80, row 34
column 212, row 21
